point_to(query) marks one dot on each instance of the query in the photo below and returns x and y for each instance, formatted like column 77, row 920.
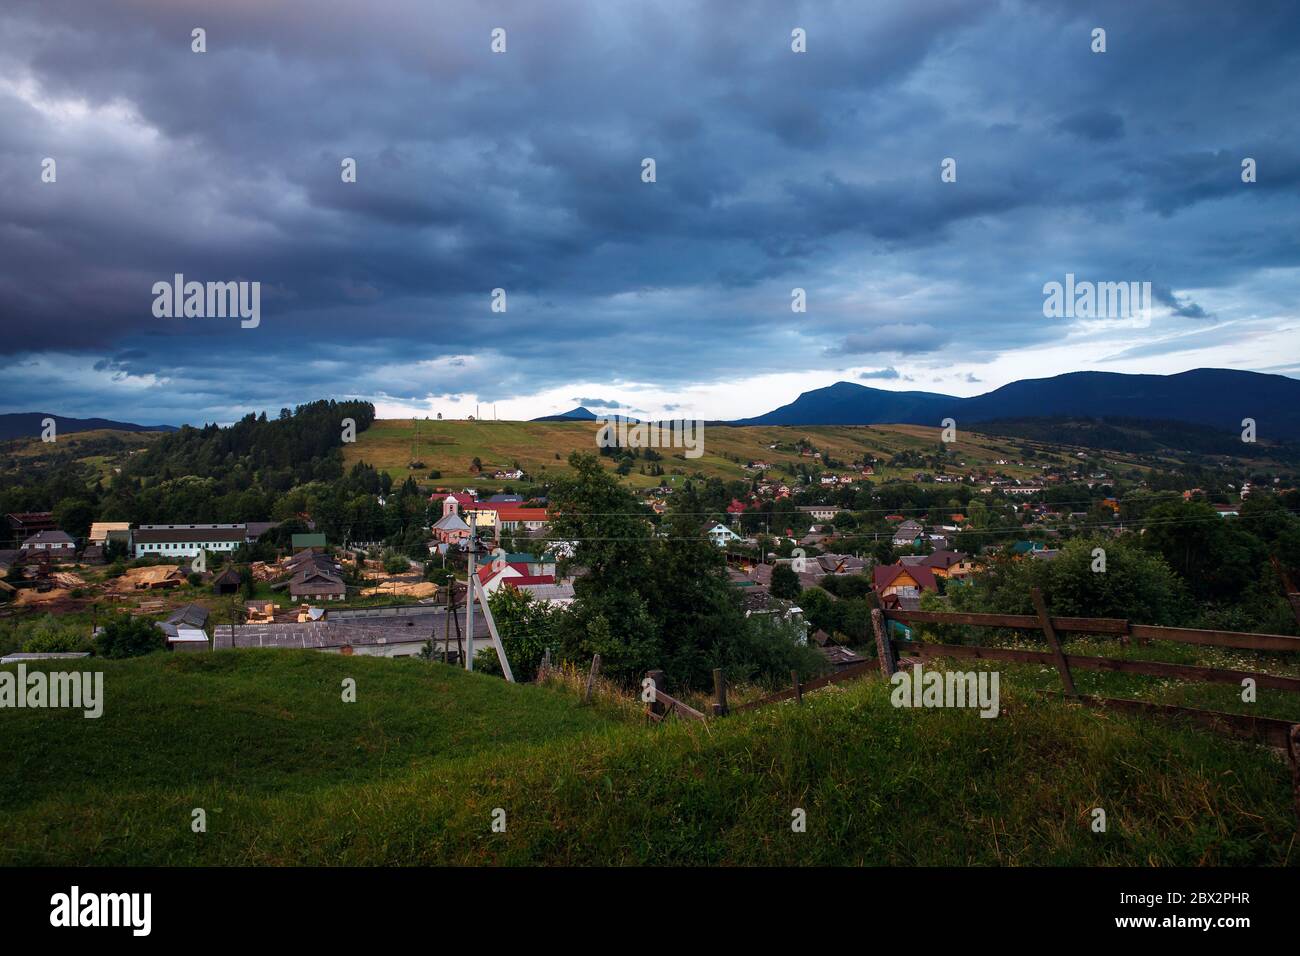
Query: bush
column 439, row 576
column 128, row 636
column 526, row 627
column 49, row 636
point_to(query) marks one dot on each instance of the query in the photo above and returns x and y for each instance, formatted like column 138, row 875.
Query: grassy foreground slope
column 412, row 772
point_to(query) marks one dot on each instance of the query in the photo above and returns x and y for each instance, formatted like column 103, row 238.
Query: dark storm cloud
column 522, row 172
column 1098, row 125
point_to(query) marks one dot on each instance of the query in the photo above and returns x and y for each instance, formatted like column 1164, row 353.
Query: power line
column 877, row 535
column 1153, row 501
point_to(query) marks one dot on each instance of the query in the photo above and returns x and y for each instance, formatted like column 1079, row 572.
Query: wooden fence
column 890, row 653
column 1271, row 730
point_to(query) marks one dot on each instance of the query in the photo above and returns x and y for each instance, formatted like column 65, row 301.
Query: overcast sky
column 522, row 170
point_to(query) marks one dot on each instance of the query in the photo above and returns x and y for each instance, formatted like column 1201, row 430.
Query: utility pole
column 451, row 593
column 469, row 598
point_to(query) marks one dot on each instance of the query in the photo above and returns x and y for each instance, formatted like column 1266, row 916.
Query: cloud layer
column 522, row 171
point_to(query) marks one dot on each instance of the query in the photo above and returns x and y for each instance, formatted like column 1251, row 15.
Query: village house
column 809, row 571
column 949, row 564
column 759, row 600
column 816, row 535
column 841, row 658
column 557, row 594
column 101, row 532
column 535, row 565
column 58, row 545
column 23, row 524
column 509, row 519
column 840, row 563
column 495, row 574
column 315, row 576
column 184, row 629
column 909, row 534
column 900, row 585
column 818, row 512
column 721, row 535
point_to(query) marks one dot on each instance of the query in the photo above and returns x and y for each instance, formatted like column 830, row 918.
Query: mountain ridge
column 30, row 425
column 1220, row 398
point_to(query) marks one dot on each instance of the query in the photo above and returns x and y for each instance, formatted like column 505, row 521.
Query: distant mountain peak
column 579, row 414
column 1217, row 397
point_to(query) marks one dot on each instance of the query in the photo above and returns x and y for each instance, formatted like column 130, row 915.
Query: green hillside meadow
column 412, row 771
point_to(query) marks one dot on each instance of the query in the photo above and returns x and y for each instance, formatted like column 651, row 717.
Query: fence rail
column 1274, row 731
column 1103, row 626
column 889, row 652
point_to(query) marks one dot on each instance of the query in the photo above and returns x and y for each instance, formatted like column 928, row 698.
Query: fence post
column 659, row 679
column 1049, row 632
column 884, row 650
column 1293, row 752
column 719, row 693
column 798, row 688
column 591, row 677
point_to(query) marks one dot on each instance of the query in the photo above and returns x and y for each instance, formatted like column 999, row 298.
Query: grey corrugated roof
column 191, row 614
column 332, row 633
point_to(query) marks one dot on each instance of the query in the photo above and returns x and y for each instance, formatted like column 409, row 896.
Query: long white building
column 185, row 540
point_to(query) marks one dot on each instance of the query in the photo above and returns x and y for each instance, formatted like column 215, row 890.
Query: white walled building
column 185, row 540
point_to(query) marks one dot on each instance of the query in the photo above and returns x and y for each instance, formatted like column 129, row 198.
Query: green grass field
column 412, row 772
column 451, row 446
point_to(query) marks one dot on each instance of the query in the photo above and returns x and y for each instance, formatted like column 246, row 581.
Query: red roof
column 488, row 572
column 736, row 507
column 531, row 579
column 884, row 575
column 510, row 512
